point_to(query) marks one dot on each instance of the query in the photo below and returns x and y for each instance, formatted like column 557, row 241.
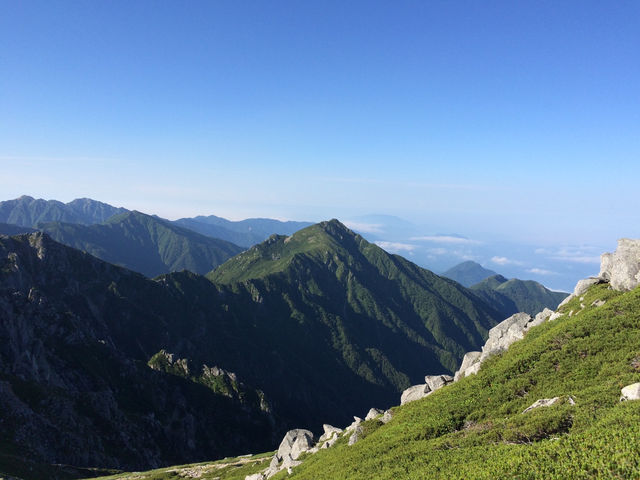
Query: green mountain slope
column 512, row 296
column 28, row 212
column 339, row 274
column 476, row 428
column 468, row 273
column 245, row 233
column 145, row 244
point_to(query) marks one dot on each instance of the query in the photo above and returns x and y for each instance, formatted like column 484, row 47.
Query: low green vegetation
column 236, row 468
column 475, row 428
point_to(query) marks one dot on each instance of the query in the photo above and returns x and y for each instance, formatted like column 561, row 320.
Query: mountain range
column 104, row 367
column 556, row 397
column 143, row 243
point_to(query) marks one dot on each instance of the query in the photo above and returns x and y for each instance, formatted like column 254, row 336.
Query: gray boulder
column 295, row 442
column 622, row 267
column 470, row 364
column 356, row 435
column 386, row 418
column 543, row 402
column 630, row 392
column 505, row 333
column 437, row 381
column 416, row 392
column 541, row 317
column 373, row 413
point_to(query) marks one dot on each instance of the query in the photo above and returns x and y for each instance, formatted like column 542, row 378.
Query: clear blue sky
column 520, row 119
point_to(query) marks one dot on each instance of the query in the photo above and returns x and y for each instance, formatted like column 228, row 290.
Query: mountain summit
column 468, row 273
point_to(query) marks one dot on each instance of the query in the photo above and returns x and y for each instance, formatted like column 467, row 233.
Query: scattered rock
column 437, row 381
column 469, row 360
column 293, row 444
column 540, row 318
column 581, row 287
column 598, row 303
column 356, row 435
column 416, row 392
column 543, row 402
column 555, row 316
column 622, row 267
column 631, row 392
column 373, row 413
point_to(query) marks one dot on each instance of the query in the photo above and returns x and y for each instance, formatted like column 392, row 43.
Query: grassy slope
column 475, row 428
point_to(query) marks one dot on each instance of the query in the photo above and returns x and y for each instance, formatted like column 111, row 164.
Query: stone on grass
column 630, row 392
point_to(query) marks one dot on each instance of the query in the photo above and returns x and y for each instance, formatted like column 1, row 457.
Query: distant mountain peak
column 468, row 273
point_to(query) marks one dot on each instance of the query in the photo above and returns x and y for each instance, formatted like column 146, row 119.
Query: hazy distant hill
column 146, row 244
column 468, row 273
column 28, row 211
column 512, row 296
column 244, row 232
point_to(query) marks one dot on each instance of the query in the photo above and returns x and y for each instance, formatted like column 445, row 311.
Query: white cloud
column 395, row 247
column 583, row 259
column 504, row 261
column 448, row 239
column 582, row 254
column 541, row 271
column 365, row 227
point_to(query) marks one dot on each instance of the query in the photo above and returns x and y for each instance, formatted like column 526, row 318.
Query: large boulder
column 295, row 442
column 470, row 364
column 437, row 381
column 630, row 392
column 373, row 413
column 416, row 392
column 622, row 267
column 505, row 333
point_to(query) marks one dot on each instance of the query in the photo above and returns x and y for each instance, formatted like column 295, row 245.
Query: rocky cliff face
column 75, row 387
column 622, row 267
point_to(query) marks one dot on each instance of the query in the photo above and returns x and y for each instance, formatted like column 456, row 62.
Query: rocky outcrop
column 581, row 287
column 630, row 392
column 500, row 337
column 622, row 267
column 437, row 381
column 415, row 392
column 373, row 413
column 294, row 443
column 543, row 402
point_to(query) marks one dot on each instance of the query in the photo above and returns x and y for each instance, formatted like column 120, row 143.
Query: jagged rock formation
column 500, row 337
column 622, row 267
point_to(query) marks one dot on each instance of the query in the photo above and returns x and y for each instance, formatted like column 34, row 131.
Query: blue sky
column 512, row 120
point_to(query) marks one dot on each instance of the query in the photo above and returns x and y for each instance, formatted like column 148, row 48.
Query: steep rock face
column 622, row 267
column 74, row 384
